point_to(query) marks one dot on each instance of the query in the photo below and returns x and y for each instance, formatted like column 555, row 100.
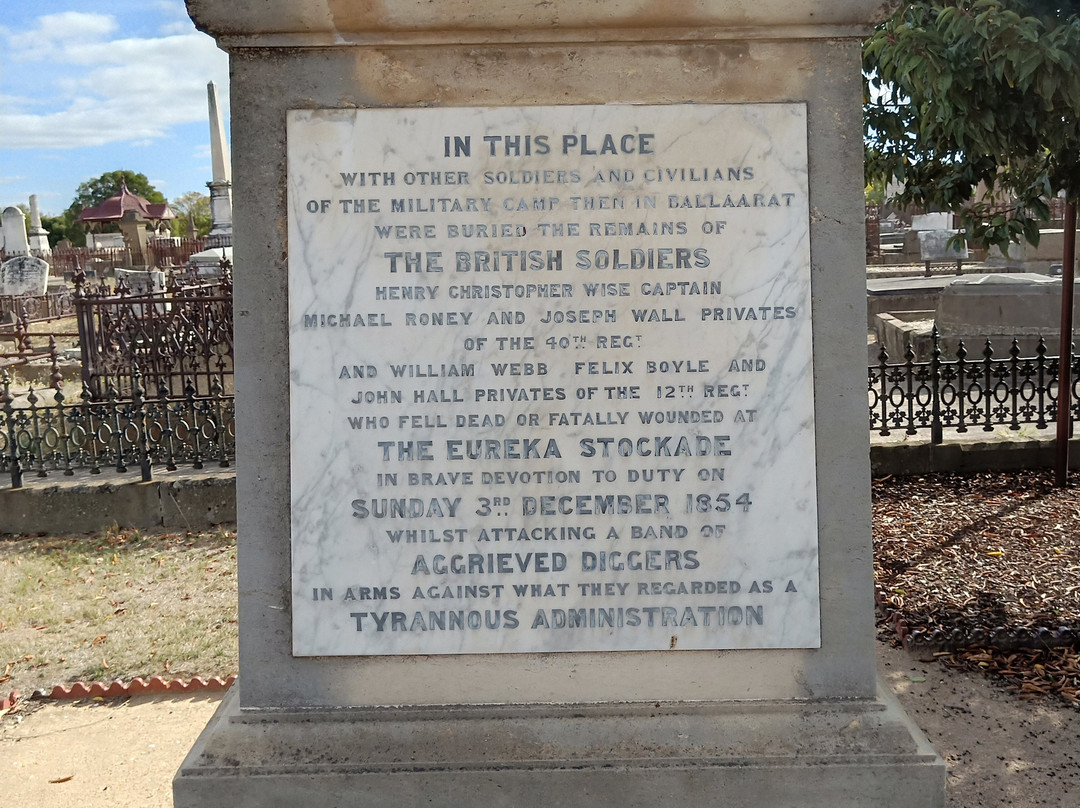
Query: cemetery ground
column 996, row 553
column 116, row 605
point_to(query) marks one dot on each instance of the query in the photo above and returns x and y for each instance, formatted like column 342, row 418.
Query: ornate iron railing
column 43, row 437
column 36, row 308
column 984, row 392
column 181, row 337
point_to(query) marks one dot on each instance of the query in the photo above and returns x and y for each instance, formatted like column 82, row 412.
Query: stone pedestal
column 220, row 234
column 133, row 228
column 785, row 711
column 783, row 754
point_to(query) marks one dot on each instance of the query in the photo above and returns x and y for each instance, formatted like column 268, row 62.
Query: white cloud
column 19, row 102
column 58, row 31
column 179, row 23
column 123, row 90
column 178, row 27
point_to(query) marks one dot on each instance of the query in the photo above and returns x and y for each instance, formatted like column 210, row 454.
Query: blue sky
column 87, row 88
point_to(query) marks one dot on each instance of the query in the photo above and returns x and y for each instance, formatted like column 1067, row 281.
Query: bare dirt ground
column 1001, row 751
column 112, row 754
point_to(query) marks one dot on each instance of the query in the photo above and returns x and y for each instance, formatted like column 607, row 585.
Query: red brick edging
column 154, row 685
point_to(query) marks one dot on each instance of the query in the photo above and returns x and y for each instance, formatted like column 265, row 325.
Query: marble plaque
column 551, row 380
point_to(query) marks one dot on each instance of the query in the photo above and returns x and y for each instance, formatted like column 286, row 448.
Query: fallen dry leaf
column 982, row 570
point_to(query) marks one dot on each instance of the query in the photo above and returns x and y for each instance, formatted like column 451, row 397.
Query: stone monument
column 142, row 283
column 221, row 183
column 13, row 225
column 136, row 239
column 546, row 497
column 24, row 275
column 38, row 236
column 21, row 273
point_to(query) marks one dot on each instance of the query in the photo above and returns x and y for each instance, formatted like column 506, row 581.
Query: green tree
column 973, row 106
column 94, row 192
column 63, row 227
column 191, row 207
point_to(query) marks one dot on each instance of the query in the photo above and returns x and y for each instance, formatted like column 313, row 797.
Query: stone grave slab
column 24, row 275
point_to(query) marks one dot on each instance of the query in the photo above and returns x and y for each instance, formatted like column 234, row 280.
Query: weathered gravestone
column 554, row 501
column 142, row 283
column 24, row 275
column 13, row 226
column 939, row 245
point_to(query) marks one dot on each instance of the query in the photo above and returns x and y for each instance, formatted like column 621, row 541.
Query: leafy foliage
column 92, row 193
column 974, row 106
column 189, row 208
column 63, row 227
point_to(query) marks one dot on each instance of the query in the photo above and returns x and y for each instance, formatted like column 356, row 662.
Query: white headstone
column 143, row 283
column 105, row 241
column 24, row 275
column 208, row 262
column 931, row 221
column 14, row 225
column 938, row 245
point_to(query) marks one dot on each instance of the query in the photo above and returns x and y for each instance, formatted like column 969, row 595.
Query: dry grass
column 969, row 552
column 116, row 605
column 36, row 374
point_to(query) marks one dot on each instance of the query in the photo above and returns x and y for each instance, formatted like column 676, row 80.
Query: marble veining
column 551, row 380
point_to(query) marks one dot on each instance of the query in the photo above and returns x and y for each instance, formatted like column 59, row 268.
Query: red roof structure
column 114, row 208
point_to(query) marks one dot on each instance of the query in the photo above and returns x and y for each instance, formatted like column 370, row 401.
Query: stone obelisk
column 221, row 184
column 38, row 236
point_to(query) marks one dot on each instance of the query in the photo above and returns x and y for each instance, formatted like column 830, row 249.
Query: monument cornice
column 346, row 23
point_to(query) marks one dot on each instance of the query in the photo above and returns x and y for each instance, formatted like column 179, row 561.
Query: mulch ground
column 982, row 572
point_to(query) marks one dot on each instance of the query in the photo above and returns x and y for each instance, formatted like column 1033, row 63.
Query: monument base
column 765, row 754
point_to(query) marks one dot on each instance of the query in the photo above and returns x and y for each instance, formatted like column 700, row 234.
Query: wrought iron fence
column 983, row 392
column 66, row 261
column 42, row 433
column 19, row 345
column 36, row 308
column 183, row 336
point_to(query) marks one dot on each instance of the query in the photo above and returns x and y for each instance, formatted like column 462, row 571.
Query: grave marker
column 14, row 228
column 24, row 275
column 524, row 241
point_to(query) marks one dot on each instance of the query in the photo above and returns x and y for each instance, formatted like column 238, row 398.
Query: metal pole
column 1064, row 402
